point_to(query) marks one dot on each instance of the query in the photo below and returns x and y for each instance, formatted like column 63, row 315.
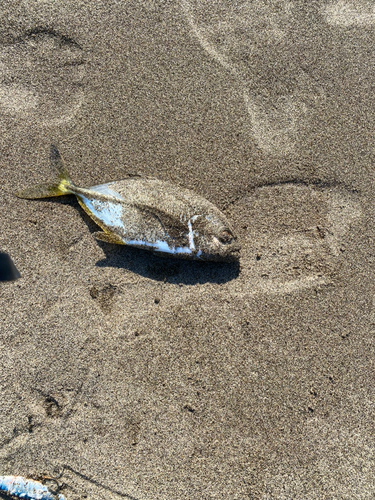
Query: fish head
column 215, row 239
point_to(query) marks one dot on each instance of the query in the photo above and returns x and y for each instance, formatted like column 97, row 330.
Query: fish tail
column 59, row 187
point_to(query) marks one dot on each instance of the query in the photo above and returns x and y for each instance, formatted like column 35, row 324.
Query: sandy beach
column 133, row 376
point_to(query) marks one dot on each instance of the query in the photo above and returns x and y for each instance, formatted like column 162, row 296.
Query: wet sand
column 142, row 377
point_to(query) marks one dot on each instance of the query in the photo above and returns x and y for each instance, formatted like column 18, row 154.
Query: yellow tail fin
column 50, row 189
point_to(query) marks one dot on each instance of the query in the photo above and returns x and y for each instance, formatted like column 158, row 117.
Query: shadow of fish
column 28, row 489
column 149, row 214
column 8, row 271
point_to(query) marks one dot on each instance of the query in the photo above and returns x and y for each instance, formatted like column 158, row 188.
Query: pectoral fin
column 108, row 238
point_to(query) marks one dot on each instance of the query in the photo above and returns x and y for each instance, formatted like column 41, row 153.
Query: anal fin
column 108, row 238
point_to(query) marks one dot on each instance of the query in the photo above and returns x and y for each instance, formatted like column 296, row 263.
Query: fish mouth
column 231, row 254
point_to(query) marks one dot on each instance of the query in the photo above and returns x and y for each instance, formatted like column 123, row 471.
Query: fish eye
column 226, row 236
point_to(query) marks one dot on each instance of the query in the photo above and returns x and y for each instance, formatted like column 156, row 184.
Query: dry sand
column 146, row 378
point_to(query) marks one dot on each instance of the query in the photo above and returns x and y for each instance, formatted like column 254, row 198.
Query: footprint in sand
column 41, row 77
column 278, row 52
column 293, row 234
column 261, row 44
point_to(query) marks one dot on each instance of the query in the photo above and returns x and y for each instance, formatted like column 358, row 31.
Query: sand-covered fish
column 28, row 489
column 149, row 214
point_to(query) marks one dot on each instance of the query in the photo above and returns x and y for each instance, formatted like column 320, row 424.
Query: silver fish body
column 150, row 214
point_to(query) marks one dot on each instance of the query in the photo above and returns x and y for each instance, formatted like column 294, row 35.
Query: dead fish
column 8, row 271
column 28, row 489
column 148, row 213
